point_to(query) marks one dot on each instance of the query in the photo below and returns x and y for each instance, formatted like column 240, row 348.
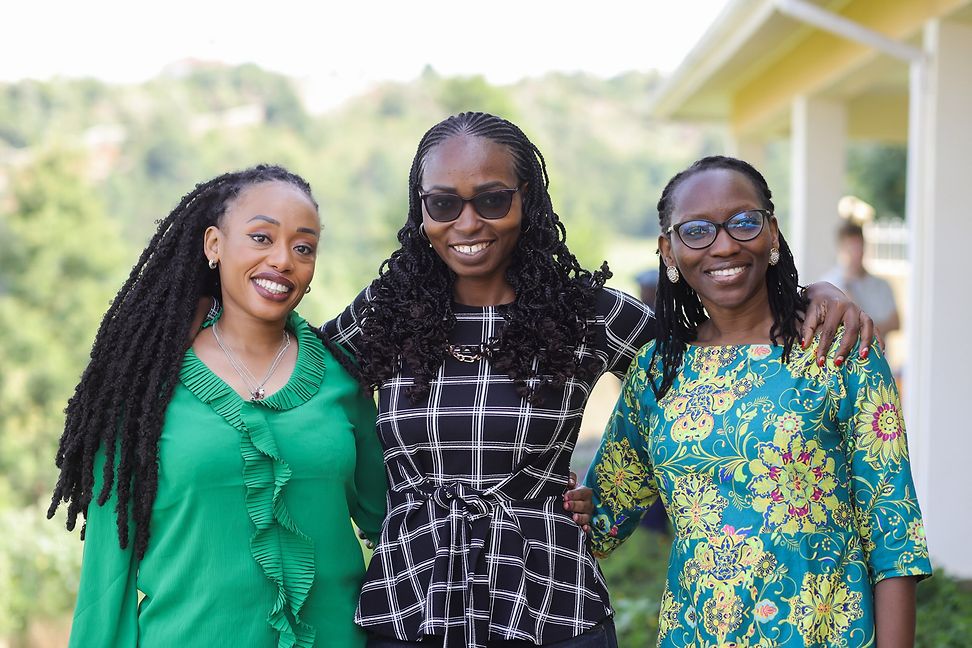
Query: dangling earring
column 423, row 234
column 213, row 263
column 672, row 273
column 774, row 256
column 306, row 290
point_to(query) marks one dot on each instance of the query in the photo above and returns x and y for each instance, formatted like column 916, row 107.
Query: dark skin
column 730, row 279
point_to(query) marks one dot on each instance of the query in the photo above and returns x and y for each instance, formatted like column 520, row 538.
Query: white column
column 937, row 372
column 819, row 132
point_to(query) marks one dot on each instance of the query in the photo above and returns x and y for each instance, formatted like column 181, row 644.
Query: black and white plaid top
column 477, row 544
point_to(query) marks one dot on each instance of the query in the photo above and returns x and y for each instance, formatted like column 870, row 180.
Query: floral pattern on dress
column 696, row 506
column 824, row 609
column 880, row 428
column 793, row 481
column 788, row 485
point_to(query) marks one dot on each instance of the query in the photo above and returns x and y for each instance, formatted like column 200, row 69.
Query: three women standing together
column 483, row 336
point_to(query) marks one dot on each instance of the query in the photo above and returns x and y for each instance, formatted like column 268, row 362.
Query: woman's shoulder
column 611, row 300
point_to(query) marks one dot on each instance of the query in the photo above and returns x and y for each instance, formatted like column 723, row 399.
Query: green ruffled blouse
column 251, row 542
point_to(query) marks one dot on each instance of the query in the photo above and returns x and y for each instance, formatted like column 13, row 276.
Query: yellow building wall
column 822, row 58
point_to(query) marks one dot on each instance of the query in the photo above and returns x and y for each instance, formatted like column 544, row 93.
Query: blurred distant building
column 821, row 73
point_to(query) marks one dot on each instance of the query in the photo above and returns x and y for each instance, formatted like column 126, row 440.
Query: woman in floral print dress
column 787, row 480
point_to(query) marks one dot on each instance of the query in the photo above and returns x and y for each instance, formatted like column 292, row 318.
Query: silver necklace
column 257, row 392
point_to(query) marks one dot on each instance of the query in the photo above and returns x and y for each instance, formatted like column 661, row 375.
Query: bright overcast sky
column 344, row 46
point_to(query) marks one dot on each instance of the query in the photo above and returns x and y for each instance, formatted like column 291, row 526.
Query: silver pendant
column 259, row 394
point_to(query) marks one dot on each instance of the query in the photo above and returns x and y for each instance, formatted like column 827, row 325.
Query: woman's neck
column 749, row 323
column 482, row 292
column 248, row 334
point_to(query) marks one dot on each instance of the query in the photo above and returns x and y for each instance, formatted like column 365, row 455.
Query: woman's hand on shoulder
column 580, row 501
column 829, row 308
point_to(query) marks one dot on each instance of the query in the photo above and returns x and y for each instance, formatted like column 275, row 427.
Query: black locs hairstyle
column 679, row 309
column 120, row 401
column 406, row 324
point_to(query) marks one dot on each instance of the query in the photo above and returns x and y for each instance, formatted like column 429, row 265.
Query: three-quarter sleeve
column 621, row 474
column 370, row 478
column 887, row 515
column 345, row 329
column 629, row 324
column 106, row 611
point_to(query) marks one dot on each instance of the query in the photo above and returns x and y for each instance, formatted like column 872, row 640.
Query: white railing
column 886, row 247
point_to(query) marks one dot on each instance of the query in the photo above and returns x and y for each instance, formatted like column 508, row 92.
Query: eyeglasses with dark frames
column 492, row 204
column 699, row 234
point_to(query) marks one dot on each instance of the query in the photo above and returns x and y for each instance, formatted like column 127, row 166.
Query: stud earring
column 774, row 257
column 672, row 273
column 213, row 263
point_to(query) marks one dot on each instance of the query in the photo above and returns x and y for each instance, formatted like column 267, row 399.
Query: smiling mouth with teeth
column 272, row 286
column 726, row 272
column 471, row 249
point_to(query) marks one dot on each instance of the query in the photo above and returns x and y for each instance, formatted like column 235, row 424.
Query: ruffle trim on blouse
column 284, row 553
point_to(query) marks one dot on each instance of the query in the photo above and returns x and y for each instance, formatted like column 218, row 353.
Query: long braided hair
column 679, row 310
column 407, row 321
column 120, row 402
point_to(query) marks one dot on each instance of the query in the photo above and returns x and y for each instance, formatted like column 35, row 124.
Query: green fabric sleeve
column 621, row 473
column 106, row 612
column 887, row 516
column 370, row 478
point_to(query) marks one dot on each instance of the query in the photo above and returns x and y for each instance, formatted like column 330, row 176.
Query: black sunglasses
column 700, row 234
column 445, row 207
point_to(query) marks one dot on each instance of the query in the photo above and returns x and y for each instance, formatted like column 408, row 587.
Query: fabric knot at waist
column 475, row 504
column 465, row 517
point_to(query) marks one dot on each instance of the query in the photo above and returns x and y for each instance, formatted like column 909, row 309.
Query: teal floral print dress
column 788, row 486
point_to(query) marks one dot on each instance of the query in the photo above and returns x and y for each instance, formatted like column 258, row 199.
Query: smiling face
column 476, row 249
column 728, row 275
column 266, row 245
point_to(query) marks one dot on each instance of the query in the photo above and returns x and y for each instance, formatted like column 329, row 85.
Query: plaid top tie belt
column 460, row 561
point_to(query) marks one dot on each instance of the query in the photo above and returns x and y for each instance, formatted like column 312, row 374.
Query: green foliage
column 877, row 173
column 61, row 259
column 635, row 575
column 39, row 566
column 944, row 612
column 54, row 291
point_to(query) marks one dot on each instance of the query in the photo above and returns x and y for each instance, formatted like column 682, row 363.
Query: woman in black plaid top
column 484, row 337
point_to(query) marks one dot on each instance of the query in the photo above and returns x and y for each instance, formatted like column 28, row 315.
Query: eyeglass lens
column 489, row 204
column 744, row 226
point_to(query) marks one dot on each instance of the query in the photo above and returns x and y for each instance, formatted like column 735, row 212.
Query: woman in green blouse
column 224, row 475
column 786, row 477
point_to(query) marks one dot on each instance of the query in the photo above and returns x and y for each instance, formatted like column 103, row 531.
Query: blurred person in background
column 873, row 293
column 483, row 335
column 786, row 475
column 216, row 483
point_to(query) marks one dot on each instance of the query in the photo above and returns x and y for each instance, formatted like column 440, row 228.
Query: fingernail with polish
column 839, row 361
